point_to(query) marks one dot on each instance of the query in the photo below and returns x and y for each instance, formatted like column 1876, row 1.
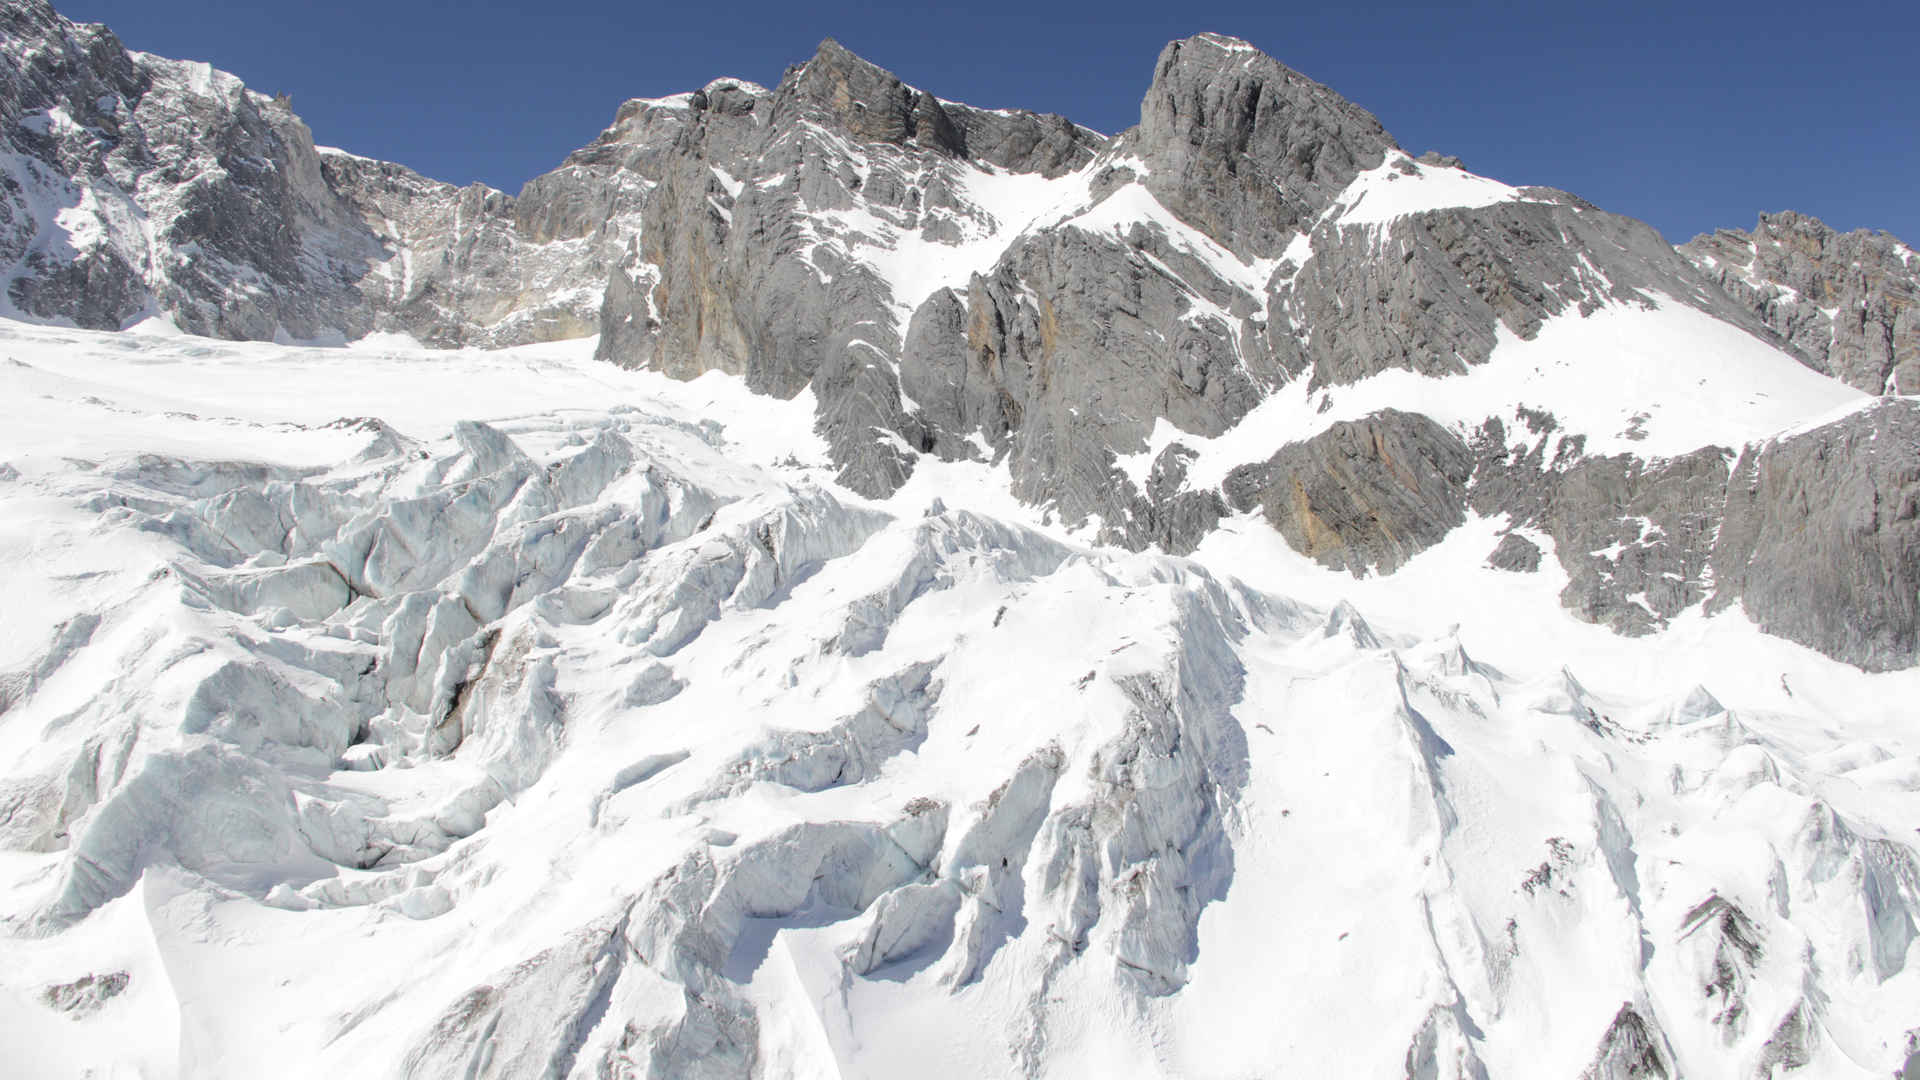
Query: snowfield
column 1629, row 378
column 382, row 711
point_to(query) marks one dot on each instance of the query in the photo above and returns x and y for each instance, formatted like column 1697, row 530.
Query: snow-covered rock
column 584, row 728
column 1226, row 598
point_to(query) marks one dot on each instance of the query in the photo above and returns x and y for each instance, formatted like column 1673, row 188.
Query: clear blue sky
column 1689, row 115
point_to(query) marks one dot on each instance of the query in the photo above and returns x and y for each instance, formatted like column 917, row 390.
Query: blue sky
column 1690, row 116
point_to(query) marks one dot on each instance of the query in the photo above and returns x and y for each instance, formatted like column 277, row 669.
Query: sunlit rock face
column 1847, row 303
column 841, row 582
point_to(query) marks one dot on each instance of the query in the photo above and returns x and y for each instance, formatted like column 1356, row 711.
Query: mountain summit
column 834, row 581
column 1118, row 321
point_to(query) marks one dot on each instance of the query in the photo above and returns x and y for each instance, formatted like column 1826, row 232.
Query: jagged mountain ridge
column 487, row 714
column 964, row 284
column 1849, row 303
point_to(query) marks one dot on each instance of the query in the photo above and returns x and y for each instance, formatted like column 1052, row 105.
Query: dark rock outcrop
column 1634, row 536
column 1437, row 285
column 1631, row 1049
column 1515, row 553
column 1366, row 494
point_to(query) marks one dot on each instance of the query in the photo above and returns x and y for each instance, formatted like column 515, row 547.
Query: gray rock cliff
column 132, row 185
column 1849, row 303
column 1821, row 540
column 1246, row 149
column 1364, row 494
column 960, row 284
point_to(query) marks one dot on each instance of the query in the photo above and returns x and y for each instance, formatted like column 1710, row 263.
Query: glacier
column 386, row 709
column 835, row 582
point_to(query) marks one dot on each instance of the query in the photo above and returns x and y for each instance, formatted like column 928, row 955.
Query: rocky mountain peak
column 856, row 98
column 1848, row 303
column 868, row 103
column 77, row 65
column 729, row 97
column 957, row 283
column 16, row 15
column 507, row 713
column 1245, row 148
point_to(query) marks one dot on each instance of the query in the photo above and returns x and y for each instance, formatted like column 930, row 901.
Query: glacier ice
column 593, row 740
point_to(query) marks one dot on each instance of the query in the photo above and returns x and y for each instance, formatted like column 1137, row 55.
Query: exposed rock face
column 870, row 105
column 849, row 95
column 1363, row 495
column 1849, row 303
column 1634, row 536
column 1079, row 340
column 457, row 266
column 972, row 285
column 1437, row 285
column 1515, row 553
column 1244, row 148
column 1821, row 541
column 755, row 253
column 1630, row 1050
column 87, row 993
column 138, row 185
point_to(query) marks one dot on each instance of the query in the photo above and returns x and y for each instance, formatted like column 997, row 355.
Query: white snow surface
column 993, row 208
column 567, row 721
column 1654, row 380
column 1132, row 206
column 1399, row 187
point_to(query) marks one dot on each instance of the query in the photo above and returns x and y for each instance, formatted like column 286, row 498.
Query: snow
column 727, row 182
column 1380, row 195
column 682, row 100
column 55, row 121
column 923, row 783
column 1626, row 377
column 1132, row 205
column 266, row 402
column 998, row 206
column 727, row 83
column 335, row 151
column 1138, row 467
column 1227, row 42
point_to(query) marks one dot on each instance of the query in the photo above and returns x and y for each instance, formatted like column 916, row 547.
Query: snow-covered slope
column 1253, row 299
column 1849, row 303
column 1224, row 599
column 1625, row 379
column 399, row 712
